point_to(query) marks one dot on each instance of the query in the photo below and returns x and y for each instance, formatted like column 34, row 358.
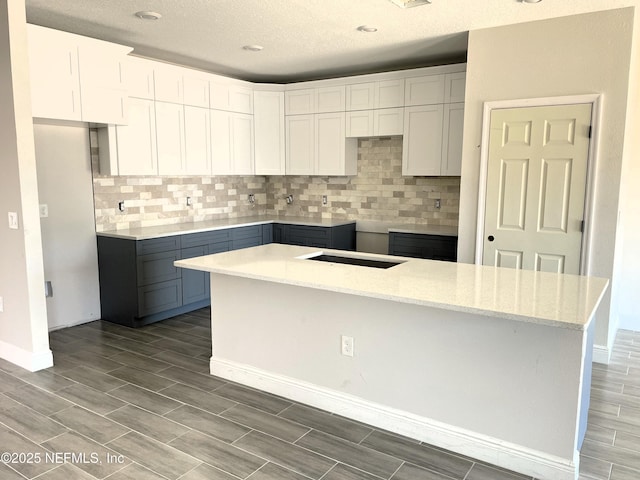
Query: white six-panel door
column 536, row 181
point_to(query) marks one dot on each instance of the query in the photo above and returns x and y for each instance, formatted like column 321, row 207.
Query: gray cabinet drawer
column 155, row 245
column 159, row 297
column 246, row 232
column 205, row 238
column 157, row 267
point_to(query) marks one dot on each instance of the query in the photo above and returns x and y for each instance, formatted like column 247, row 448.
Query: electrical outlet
column 189, row 202
column 346, row 345
column 324, row 199
column 438, row 203
column 121, row 206
column 44, row 210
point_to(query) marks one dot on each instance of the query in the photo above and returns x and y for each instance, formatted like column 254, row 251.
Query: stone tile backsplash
column 379, row 192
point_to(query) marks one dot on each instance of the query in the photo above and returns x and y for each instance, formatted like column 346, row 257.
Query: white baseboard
column 32, row 361
column 601, row 354
column 482, row 447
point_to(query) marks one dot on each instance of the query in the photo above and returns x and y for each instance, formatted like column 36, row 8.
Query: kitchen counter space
column 145, row 233
column 566, row 301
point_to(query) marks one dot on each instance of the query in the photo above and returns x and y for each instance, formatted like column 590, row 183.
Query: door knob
column 491, row 238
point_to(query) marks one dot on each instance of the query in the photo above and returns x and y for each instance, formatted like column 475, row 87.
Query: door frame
column 596, row 108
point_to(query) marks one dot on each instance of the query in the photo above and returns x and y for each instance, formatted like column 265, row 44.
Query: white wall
column 628, row 260
column 23, row 323
column 579, row 54
column 68, row 233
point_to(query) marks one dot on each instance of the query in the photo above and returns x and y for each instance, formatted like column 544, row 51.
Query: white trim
column 601, row 354
column 596, row 101
column 483, row 447
column 32, row 361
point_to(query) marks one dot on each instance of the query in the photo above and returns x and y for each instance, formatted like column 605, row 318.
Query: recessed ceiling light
column 144, row 15
column 253, row 48
column 410, row 3
column 367, row 29
column 530, row 1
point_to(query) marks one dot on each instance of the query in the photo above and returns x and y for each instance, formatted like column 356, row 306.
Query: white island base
column 498, row 386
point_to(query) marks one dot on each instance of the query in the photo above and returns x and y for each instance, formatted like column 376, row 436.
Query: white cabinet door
column 455, row 87
column 230, row 97
column 269, row 133
column 136, row 142
column 389, row 93
column 360, row 96
column 241, row 99
column 168, row 82
column 196, row 89
column 221, row 144
column 359, row 123
column 388, row 121
column 139, row 77
column 300, row 141
column 232, row 151
column 170, row 138
column 300, row 102
column 330, row 144
column 452, row 139
column 103, row 92
column 242, row 148
column 55, row 79
column 426, row 90
column 422, row 140
column 330, row 99
column 197, row 140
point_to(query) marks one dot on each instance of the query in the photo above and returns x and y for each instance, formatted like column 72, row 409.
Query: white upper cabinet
column 425, row 90
column 452, row 139
column 330, row 145
column 330, row 99
column 455, row 87
column 360, row 96
column 170, row 134
column 231, row 97
column 232, row 150
column 139, row 77
column 76, row 78
column 388, row 121
column 300, row 140
column 136, row 142
column 169, row 86
column 300, row 102
column 389, row 93
column 55, row 78
column 422, row 140
column 197, row 140
column 269, row 132
column 375, row 123
column 196, row 89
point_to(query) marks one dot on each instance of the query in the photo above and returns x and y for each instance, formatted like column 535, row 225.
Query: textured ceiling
column 302, row 39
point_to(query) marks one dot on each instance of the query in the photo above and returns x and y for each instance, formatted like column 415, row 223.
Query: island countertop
column 565, row 301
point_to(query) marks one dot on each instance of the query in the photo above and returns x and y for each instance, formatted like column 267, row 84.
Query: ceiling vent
column 410, row 3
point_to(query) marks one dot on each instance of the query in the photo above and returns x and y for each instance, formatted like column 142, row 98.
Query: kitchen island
column 487, row 362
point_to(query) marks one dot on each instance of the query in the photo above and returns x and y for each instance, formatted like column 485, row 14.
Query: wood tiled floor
column 140, row 404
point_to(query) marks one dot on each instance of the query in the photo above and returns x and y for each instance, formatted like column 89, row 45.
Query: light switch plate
column 13, row 220
column 44, row 210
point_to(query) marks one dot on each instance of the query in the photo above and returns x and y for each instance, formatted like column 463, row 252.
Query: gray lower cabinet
column 418, row 245
column 139, row 283
column 341, row 237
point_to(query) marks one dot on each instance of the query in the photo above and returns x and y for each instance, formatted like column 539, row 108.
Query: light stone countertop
column 145, row 233
column 565, row 301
